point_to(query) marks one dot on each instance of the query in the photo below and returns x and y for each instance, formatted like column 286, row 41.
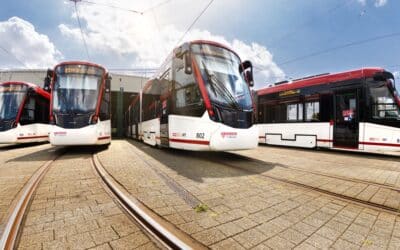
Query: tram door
column 346, row 129
column 165, row 103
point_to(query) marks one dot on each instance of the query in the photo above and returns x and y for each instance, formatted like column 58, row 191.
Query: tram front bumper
column 82, row 136
column 9, row 137
column 226, row 138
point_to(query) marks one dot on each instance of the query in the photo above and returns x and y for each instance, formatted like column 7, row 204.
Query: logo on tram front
column 229, row 134
column 60, row 133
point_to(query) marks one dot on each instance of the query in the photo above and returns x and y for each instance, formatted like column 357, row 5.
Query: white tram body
column 199, row 134
column 80, row 105
column 24, row 113
column 207, row 107
column 356, row 110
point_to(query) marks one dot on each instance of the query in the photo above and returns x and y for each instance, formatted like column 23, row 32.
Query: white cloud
column 363, row 2
column 380, row 3
column 20, row 39
column 145, row 40
column 377, row 3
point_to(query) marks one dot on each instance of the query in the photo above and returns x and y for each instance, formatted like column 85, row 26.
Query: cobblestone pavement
column 240, row 210
column 17, row 165
column 354, row 175
column 71, row 210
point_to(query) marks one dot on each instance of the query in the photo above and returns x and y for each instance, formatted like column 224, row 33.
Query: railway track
column 305, row 186
column 165, row 233
column 162, row 232
column 15, row 216
column 338, row 177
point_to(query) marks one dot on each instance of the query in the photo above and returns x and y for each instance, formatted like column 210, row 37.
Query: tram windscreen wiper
column 216, row 84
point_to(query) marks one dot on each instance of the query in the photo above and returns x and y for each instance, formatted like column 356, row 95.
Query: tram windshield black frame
column 11, row 101
column 76, row 93
column 220, row 72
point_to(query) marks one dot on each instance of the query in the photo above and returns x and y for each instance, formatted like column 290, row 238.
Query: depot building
column 123, row 88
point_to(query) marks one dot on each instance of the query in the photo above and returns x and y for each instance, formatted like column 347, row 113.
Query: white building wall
column 130, row 83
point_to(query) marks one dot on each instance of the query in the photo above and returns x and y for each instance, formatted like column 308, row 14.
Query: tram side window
column 42, row 110
column 383, row 104
column 36, row 110
column 312, row 111
column 188, row 100
column 294, row 112
column 105, row 107
column 276, row 113
column 28, row 112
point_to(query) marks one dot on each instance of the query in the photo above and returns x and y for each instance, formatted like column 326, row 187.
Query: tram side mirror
column 246, row 68
column 183, row 52
column 187, row 59
column 108, row 84
column 47, row 80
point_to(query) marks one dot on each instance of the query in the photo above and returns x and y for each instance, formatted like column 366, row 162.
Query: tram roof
column 214, row 44
column 321, row 79
column 81, row 63
column 35, row 87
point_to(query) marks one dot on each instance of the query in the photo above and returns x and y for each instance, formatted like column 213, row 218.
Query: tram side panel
column 307, row 135
column 32, row 123
column 375, row 137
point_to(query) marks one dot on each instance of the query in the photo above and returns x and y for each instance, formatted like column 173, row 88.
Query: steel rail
column 333, row 176
column 16, row 213
column 317, row 189
column 166, row 233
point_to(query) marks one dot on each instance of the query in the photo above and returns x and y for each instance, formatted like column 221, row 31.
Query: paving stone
column 250, row 238
column 227, row 244
column 341, row 244
column 318, row 241
column 279, row 243
column 293, row 236
column 329, row 233
column 130, row 241
column 84, row 220
column 230, row 229
column 209, row 236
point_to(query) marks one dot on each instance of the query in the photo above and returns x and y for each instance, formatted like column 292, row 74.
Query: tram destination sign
column 12, row 88
column 289, row 92
column 79, row 69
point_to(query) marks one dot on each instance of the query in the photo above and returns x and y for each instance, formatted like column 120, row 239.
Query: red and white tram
column 24, row 113
column 199, row 100
column 357, row 110
column 80, row 104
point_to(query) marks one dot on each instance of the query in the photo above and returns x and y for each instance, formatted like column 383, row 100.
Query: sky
column 284, row 39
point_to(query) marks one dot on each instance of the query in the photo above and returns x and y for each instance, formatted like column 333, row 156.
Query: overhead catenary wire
column 311, row 21
column 113, row 7
column 126, row 9
column 346, row 45
column 152, row 8
column 80, row 27
column 40, row 77
column 194, row 22
column 324, row 51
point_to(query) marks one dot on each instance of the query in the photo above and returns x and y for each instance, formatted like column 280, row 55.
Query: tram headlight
column 52, row 120
column 14, row 124
column 94, row 119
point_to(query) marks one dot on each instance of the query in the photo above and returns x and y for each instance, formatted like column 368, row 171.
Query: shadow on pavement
column 6, row 147
column 333, row 153
column 199, row 165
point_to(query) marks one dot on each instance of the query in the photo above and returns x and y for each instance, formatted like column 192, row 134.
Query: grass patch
column 200, row 208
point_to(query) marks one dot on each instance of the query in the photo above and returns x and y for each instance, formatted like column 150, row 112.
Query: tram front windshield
column 11, row 98
column 384, row 104
column 220, row 71
column 76, row 93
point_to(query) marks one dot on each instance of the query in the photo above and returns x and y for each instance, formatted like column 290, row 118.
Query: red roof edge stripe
column 35, row 87
column 82, row 63
column 319, row 80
